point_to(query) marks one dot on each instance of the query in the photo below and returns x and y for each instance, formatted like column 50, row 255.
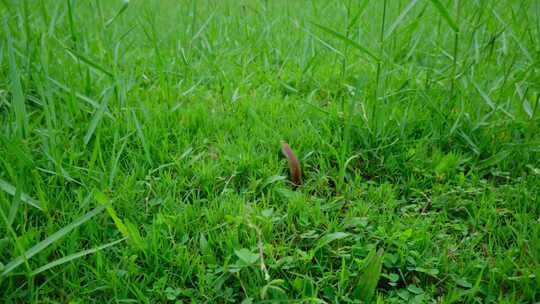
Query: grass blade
column 141, row 137
column 493, row 160
column 49, row 240
column 128, row 229
column 120, row 11
column 203, row 26
column 484, row 96
column 115, row 159
column 359, row 12
column 14, row 206
column 489, row 101
column 87, row 60
column 96, row 119
column 370, row 277
column 324, row 43
column 74, row 256
column 400, row 18
column 445, row 14
column 64, row 88
column 17, row 94
column 82, row 97
column 11, row 190
column 328, row 238
column 348, row 41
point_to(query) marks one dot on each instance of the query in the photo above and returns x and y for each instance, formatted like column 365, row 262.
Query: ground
column 140, row 151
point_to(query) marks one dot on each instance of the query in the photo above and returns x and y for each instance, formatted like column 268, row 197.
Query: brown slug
column 294, row 164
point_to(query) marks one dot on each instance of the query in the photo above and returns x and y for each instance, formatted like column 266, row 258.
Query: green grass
column 140, row 151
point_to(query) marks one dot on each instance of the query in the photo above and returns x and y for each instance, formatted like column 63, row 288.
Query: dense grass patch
column 140, row 151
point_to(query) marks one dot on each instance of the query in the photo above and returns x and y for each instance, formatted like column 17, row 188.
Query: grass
column 139, row 151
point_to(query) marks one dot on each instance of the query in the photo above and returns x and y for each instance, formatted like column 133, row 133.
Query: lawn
column 140, row 151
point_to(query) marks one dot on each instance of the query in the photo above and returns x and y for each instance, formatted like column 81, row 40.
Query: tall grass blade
column 484, row 96
column 400, row 18
column 445, row 14
column 1, row 52
column 120, row 11
column 14, row 206
column 89, row 62
column 490, row 102
column 324, row 43
column 360, row 11
column 82, row 97
column 348, row 41
column 17, row 95
column 74, row 256
column 96, row 119
column 49, row 240
column 115, row 159
column 11, row 190
column 64, row 88
column 141, row 137
column 203, row 26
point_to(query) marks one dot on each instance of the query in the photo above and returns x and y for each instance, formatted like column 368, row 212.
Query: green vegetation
column 140, row 151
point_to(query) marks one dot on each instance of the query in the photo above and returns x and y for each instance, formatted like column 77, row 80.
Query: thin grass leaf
column 348, row 41
column 124, row 7
column 14, row 206
column 1, row 52
column 88, row 61
column 55, row 16
column 96, row 119
column 16, row 240
column 49, row 240
column 141, row 137
column 60, row 170
column 74, row 256
column 82, row 97
column 11, row 190
column 493, row 160
column 485, row 96
column 400, row 18
column 64, row 88
column 489, row 102
column 71, row 22
column 359, row 12
column 116, row 159
column 527, row 108
column 19, row 106
column 445, row 14
column 467, row 139
column 203, row 26
column 324, row 43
